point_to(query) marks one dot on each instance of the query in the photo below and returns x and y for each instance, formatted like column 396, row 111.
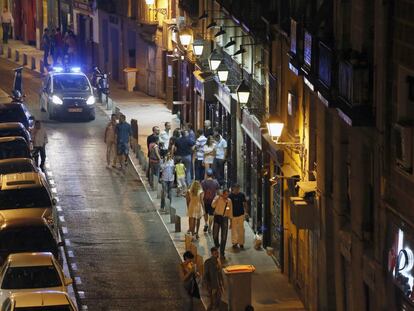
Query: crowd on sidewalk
column 61, row 47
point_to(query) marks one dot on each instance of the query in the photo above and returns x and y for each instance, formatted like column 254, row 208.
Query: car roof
column 21, row 180
column 40, row 298
column 52, row 74
column 8, row 105
column 31, row 259
column 11, row 125
column 17, row 161
column 11, row 138
column 18, row 222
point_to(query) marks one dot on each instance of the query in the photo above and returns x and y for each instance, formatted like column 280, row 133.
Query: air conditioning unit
column 404, row 146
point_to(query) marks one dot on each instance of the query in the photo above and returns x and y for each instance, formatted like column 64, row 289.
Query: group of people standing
column 61, row 47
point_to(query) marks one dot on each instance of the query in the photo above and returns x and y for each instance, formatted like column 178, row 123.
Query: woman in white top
column 209, row 153
column 195, row 207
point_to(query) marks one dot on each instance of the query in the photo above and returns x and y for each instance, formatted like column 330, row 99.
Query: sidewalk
column 270, row 289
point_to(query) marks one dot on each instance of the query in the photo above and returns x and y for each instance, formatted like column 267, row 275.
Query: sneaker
column 205, row 228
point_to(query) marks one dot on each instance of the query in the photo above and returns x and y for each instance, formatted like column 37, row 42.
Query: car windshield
column 14, row 149
column 24, row 198
column 45, row 308
column 70, row 82
column 11, row 113
column 31, row 277
column 27, row 239
column 18, row 167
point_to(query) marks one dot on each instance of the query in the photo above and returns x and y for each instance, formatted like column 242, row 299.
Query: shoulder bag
column 218, row 219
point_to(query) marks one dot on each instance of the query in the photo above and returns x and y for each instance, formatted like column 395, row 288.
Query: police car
column 67, row 92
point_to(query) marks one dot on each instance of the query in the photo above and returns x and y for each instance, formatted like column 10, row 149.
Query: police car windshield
column 70, row 82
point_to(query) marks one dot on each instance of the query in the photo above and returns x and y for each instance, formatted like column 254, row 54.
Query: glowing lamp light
column 198, row 47
column 75, row 69
column 275, row 129
column 222, row 72
column 185, row 37
column 149, row 2
column 243, row 93
column 214, row 60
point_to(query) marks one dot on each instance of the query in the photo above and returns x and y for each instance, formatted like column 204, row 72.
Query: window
column 31, row 277
column 25, row 198
column 68, row 82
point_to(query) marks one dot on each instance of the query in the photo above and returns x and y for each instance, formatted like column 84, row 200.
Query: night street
column 121, row 250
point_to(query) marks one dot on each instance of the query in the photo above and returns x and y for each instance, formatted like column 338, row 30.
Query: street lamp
column 214, row 60
column 223, row 72
column 275, row 130
column 243, row 93
column 220, row 32
column 198, row 47
column 185, row 37
column 149, row 2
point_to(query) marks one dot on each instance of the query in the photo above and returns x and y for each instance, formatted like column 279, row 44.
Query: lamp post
column 214, row 60
column 222, row 72
column 198, row 47
column 185, row 37
column 243, row 93
column 275, row 130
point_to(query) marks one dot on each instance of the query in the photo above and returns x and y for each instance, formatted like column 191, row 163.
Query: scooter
column 101, row 82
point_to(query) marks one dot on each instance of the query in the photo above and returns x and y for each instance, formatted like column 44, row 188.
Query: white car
column 39, row 301
column 27, row 272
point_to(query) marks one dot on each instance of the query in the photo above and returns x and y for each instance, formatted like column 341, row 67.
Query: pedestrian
column 180, row 175
column 239, row 202
column 154, row 136
column 70, row 41
column 123, row 135
column 195, row 207
column 167, row 178
column 165, row 136
column 210, row 188
column 223, row 211
column 6, row 22
column 52, row 34
column 209, row 152
column 58, row 46
column 199, row 159
column 189, row 275
column 208, row 130
column 46, row 47
column 220, row 158
column 184, row 149
column 175, row 135
column 190, row 128
column 213, row 279
column 154, row 161
column 39, row 140
column 110, row 141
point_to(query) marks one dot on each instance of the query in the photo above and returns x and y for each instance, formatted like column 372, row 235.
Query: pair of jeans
column 199, row 170
column 186, row 160
column 6, row 32
column 154, row 170
column 221, row 229
column 40, row 151
column 166, row 190
column 214, row 296
column 218, row 168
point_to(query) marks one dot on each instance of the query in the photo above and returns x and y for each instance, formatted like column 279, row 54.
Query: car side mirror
column 68, row 281
column 61, row 244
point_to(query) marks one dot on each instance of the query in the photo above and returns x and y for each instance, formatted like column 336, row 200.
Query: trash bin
column 130, row 78
column 239, row 290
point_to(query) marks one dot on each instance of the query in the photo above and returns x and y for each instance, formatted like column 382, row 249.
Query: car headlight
column 90, row 100
column 57, row 100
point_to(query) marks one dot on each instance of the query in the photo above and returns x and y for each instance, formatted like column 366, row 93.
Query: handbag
column 192, row 288
column 218, row 219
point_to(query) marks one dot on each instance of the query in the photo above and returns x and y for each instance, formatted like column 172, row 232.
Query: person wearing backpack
column 154, row 161
column 210, row 187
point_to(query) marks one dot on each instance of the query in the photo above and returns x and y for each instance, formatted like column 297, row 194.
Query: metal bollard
column 177, row 223
column 158, row 187
column 173, row 213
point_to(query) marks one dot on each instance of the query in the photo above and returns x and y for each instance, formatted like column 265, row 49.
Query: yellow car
column 26, row 272
column 39, row 301
column 27, row 195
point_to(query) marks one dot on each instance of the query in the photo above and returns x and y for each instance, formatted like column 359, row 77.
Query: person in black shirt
column 239, row 203
column 184, row 149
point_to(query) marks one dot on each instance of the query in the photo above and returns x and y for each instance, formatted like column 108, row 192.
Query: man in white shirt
column 39, row 138
column 220, row 158
column 165, row 137
column 199, row 149
column 6, row 22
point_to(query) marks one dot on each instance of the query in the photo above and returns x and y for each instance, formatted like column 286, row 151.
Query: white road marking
column 67, row 242
column 59, row 208
column 56, row 198
column 74, row 267
column 65, row 230
column 70, row 254
column 61, row 219
column 51, row 182
column 84, row 307
column 50, row 174
column 81, row 294
column 78, row 280
column 54, row 190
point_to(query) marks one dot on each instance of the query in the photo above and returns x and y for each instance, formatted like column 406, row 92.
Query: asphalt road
column 119, row 252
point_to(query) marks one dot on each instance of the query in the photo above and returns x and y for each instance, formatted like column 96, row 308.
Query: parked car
column 27, row 234
column 18, row 165
column 39, row 301
column 27, row 272
column 16, row 112
column 14, row 129
column 67, row 93
column 27, row 195
column 14, row 147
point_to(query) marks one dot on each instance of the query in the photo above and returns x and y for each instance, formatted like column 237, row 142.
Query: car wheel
column 91, row 117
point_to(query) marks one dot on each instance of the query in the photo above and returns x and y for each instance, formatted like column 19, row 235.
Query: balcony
column 324, row 69
column 355, row 92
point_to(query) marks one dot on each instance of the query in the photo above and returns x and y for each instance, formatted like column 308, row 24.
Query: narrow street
column 119, row 252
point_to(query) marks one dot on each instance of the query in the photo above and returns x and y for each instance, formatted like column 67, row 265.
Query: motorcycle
column 101, row 82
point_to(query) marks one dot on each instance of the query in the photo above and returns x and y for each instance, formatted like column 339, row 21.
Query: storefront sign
column 251, row 125
column 225, row 98
column 82, row 6
column 307, row 52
